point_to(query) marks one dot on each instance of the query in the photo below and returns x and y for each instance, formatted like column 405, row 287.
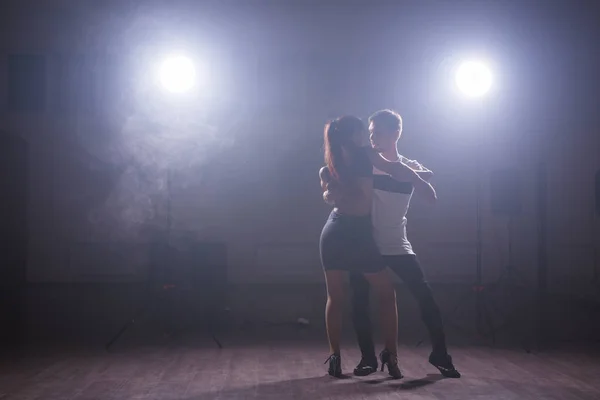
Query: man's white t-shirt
column 391, row 200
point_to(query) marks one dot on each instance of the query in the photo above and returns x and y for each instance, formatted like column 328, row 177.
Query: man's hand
column 329, row 192
column 329, row 197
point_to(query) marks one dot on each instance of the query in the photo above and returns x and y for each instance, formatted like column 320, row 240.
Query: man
column 391, row 201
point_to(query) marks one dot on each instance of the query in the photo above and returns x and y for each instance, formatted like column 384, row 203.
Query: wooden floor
column 292, row 370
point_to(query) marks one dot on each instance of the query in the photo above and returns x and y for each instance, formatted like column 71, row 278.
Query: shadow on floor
column 318, row 387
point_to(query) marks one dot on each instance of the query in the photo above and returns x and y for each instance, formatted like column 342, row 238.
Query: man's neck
column 390, row 155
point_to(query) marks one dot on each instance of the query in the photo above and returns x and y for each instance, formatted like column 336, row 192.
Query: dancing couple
column 370, row 187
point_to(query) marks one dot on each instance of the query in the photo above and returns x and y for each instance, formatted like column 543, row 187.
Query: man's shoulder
column 405, row 160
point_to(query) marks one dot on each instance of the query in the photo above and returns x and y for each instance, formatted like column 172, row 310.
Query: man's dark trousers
column 408, row 269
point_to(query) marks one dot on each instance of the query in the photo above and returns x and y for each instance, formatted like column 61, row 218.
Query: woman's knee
column 335, row 286
column 335, row 295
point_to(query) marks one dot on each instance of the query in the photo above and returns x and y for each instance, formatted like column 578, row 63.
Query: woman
column 347, row 244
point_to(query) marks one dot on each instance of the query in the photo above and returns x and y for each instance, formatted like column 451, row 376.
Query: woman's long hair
column 339, row 134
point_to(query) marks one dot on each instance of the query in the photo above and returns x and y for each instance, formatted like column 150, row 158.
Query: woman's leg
column 334, row 309
column 382, row 286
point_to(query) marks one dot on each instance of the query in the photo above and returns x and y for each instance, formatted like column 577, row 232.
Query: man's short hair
column 389, row 119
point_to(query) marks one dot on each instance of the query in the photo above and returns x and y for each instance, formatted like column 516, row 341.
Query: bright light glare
column 473, row 78
column 177, row 74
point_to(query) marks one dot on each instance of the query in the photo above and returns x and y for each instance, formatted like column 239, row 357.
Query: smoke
column 135, row 209
column 156, row 142
column 149, row 135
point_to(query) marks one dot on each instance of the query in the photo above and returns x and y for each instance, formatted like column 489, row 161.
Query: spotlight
column 473, row 78
column 177, row 74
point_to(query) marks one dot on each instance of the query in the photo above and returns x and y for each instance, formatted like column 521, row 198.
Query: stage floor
column 291, row 369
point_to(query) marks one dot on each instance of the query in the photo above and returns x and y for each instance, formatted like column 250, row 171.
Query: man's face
column 382, row 138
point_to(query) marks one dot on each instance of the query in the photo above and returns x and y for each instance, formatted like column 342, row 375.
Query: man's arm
column 425, row 175
column 420, row 169
column 422, row 185
column 402, row 172
column 424, row 189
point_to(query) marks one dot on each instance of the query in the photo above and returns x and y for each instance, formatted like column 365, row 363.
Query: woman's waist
column 359, row 207
column 351, row 214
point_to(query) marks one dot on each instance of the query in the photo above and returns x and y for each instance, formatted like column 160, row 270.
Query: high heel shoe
column 391, row 360
column 335, row 365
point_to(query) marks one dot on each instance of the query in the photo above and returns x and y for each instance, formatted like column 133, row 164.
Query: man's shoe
column 366, row 367
column 443, row 362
